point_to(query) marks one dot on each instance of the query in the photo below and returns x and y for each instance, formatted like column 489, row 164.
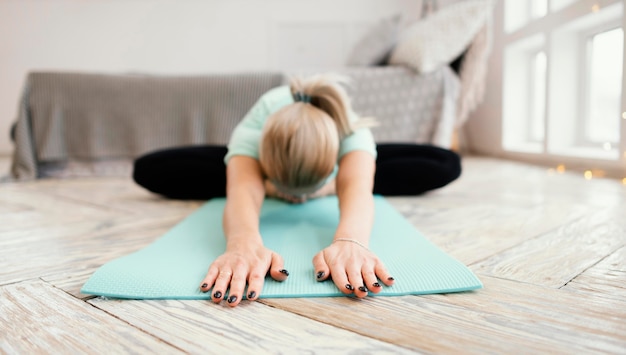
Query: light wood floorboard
column 550, row 249
column 198, row 326
column 606, row 278
column 504, row 317
column 574, row 248
column 37, row 319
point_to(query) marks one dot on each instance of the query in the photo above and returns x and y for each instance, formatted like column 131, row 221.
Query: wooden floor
column 550, row 249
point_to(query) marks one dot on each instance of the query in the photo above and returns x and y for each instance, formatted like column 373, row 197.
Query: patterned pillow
column 375, row 46
column 441, row 37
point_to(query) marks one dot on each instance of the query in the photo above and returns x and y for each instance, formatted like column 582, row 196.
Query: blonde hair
column 300, row 142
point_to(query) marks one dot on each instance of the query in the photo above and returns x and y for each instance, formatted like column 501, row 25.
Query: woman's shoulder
column 277, row 97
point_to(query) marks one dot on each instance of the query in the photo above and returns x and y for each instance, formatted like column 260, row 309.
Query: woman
column 298, row 142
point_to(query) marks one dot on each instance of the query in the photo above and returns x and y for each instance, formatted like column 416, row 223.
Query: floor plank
column 505, row 317
column 519, row 184
column 75, row 246
column 555, row 258
column 497, row 205
column 198, row 326
column 31, row 208
column 607, row 278
column 116, row 194
column 471, row 237
column 71, row 281
column 526, row 230
column 36, row 318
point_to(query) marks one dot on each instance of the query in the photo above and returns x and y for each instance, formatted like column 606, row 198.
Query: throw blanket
column 88, row 117
column 473, row 73
column 72, row 124
column 408, row 107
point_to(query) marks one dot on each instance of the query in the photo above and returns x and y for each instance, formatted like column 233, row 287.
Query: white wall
column 176, row 37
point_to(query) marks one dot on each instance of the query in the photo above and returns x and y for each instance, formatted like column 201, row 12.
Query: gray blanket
column 89, row 117
column 67, row 121
column 409, row 107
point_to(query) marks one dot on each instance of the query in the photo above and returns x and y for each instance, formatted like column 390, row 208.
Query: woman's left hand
column 354, row 268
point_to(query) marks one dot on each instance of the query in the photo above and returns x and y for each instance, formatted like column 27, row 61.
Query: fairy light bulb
column 560, row 168
column 595, row 8
column 588, row 175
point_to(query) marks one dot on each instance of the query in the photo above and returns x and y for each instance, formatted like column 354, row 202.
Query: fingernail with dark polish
column 362, row 289
column 320, row 274
column 232, row 299
column 349, row 287
column 251, row 294
column 205, row 285
column 376, row 284
column 283, row 271
column 217, row 294
column 390, row 278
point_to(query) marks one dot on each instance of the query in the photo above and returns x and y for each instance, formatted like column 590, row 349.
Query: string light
column 595, row 8
column 624, row 181
column 589, row 174
column 598, row 173
column 624, row 115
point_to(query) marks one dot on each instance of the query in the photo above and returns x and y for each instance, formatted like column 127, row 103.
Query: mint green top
column 246, row 137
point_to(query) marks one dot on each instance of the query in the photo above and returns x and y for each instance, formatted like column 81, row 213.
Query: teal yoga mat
column 173, row 265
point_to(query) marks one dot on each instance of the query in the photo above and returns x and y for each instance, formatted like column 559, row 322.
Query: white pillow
column 441, row 37
column 374, row 47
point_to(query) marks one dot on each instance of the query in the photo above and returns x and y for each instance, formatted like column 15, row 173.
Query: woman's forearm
column 245, row 193
column 356, row 208
column 241, row 219
column 355, row 182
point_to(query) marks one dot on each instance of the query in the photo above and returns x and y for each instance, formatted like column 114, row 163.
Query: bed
column 92, row 124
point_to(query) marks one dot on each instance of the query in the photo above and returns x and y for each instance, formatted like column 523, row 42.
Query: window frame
column 584, row 95
column 532, row 10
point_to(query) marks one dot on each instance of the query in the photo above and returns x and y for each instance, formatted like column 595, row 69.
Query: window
column 562, row 79
column 603, row 72
column 556, row 5
column 538, row 97
column 524, row 105
column 520, row 12
column 538, row 8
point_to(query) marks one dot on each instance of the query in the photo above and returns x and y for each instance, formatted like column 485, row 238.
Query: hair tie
column 301, row 97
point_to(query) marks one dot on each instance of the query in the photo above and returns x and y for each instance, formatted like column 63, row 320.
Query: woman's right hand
column 240, row 264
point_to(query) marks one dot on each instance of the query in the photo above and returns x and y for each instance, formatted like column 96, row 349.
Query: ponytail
column 300, row 142
column 325, row 93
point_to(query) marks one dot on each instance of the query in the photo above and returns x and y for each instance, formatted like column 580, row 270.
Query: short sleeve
column 360, row 139
column 246, row 136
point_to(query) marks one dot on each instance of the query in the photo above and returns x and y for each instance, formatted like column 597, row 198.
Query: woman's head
column 300, row 142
